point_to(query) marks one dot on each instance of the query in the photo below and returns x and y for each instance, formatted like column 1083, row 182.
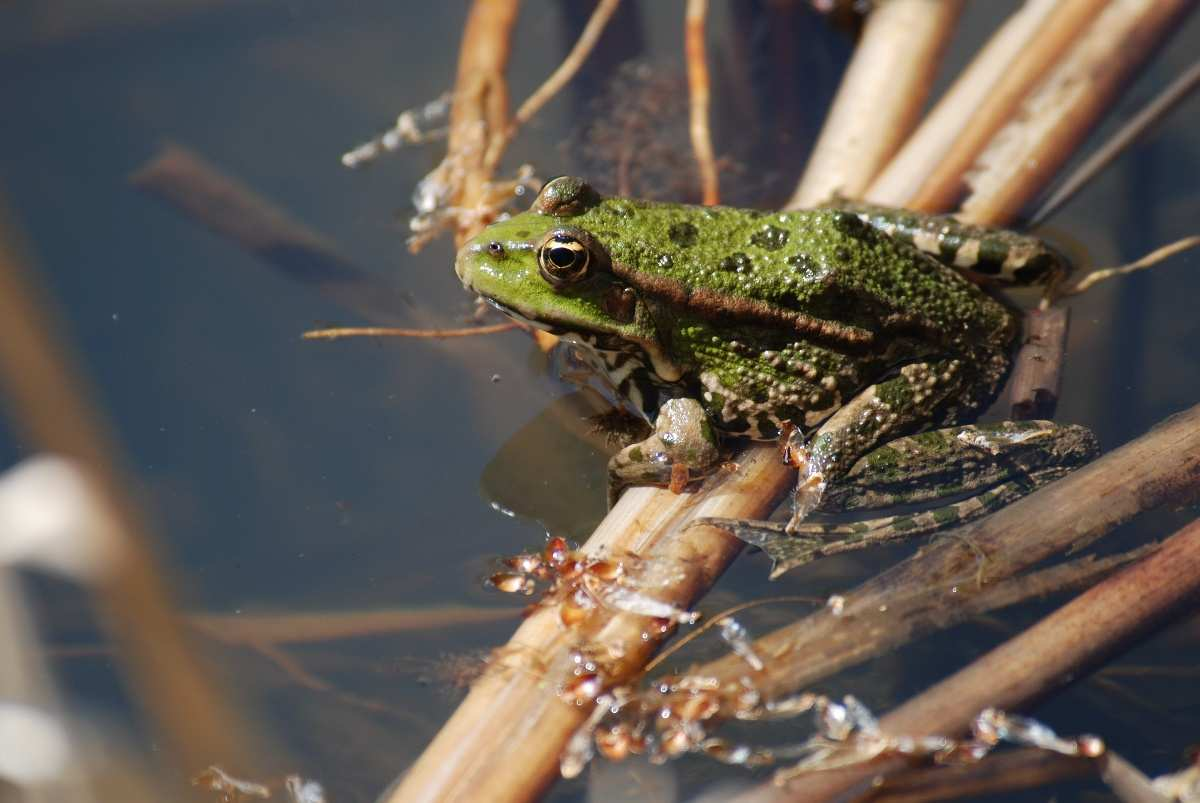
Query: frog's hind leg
column 996, row 464
column 993, row 254
column 814, row 540
column 918, row 393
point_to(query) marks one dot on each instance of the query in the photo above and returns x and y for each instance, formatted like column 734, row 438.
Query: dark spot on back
column 522, row 234
column 802, row 261
column 848, row 223
column 683, row 234
column 770, row 237
column 737, row 262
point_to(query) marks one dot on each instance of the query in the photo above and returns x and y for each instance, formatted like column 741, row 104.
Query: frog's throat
column 663, row 366
column 711, row 304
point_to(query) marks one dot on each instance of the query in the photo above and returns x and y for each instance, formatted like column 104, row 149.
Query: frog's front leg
column 682, row 447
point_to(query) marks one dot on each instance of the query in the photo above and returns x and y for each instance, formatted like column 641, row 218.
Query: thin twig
column 1150, row 260
column 1139, row 124
column 557, row 80
column 340, row 332
column 698, row 98
column 715, row 619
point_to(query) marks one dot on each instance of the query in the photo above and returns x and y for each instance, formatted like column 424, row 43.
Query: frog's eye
column 563, row 259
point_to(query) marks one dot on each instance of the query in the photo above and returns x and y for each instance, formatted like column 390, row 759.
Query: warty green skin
column 765, row 317
column 812, row 318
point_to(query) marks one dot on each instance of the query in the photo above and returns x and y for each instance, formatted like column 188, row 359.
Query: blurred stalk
column 48, row 402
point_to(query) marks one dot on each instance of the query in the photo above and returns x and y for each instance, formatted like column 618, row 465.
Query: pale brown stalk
column 880, row 98
column 479, row 112
column 1025, row 154
column 927, row 172
column 507, row 735
column 698, row 99
column 308, row 628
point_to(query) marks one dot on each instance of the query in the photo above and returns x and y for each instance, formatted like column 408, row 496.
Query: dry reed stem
column 928, row 589
column 1033, row 388
column 698, row 99
column 927, row 172
column 1148, row 261
column 339, row 332
column 1023, row 156
column 48, row 402
column 507, row 735
column 998, row 773
column 1056, row 650
column 1138, row 125
column 880, row 97
column 479, row 111
column 1127, row 782
column 557, row 80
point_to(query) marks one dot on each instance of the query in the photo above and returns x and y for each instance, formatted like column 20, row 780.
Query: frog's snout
column 464, row 263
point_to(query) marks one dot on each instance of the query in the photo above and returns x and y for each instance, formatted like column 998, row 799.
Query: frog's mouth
column 596, row 340
column 519, row 318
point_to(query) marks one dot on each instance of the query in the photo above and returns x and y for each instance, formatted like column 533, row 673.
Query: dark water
column 288, row 476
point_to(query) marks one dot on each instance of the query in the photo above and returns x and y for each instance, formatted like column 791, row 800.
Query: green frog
column 846, row 330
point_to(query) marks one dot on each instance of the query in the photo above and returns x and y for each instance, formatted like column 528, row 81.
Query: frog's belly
column 626, row 371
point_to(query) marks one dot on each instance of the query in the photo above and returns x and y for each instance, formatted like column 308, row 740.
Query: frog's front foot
column 810, row 485
column 682, row 448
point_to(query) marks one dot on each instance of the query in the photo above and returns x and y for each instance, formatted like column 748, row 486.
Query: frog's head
column 544, row 267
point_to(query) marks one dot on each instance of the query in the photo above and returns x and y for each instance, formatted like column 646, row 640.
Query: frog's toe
column 681, row 449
